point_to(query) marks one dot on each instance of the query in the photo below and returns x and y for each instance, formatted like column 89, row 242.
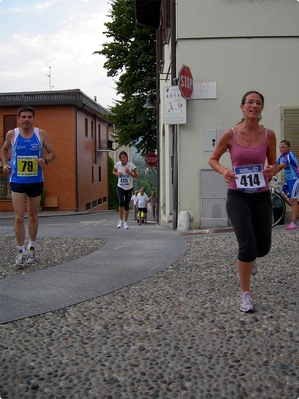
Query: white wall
column 211, row 40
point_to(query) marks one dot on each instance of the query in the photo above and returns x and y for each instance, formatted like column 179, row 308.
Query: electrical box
column 212, row 137
column 213, row 199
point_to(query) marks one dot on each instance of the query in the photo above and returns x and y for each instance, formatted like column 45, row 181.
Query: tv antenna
column 49, row 76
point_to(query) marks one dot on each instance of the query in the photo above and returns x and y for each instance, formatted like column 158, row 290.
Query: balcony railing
column 104, row 145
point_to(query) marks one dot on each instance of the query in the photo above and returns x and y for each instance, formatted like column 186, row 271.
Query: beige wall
column 212, row 42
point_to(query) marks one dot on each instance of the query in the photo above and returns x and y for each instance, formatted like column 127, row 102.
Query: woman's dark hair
column 244, row 100
column 252, row 92
column 26, row 108
column 123, row 153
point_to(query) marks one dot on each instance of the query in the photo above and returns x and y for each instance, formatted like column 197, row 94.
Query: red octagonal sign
column 151, row 159
column 186, row 81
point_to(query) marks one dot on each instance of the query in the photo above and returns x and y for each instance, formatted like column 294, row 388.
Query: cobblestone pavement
column 176, row 334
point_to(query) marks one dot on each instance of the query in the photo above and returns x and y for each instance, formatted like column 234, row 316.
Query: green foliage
column 132, row 57
column 42, row 197
column 112, row 183
column 147, row 177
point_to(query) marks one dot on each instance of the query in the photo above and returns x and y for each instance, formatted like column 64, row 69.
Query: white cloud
column 42, row 6
column 66, row 45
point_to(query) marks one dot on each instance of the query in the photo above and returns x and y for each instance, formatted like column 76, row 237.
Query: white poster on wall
column 175, row 106
column 204, row 90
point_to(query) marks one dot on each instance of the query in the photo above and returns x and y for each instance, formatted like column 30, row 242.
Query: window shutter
column 290, row 127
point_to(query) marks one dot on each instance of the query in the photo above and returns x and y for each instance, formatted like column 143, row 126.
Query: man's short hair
column 26, row 108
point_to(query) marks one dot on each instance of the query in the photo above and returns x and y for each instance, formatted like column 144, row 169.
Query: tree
column 132, row 57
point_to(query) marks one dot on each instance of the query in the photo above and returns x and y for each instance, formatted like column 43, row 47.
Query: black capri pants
column 124, row 197
column 251, row 217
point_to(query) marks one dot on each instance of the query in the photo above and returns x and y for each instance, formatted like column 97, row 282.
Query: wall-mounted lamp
column 148, row 103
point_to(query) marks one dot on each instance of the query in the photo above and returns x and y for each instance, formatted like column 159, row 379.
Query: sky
column 39, row 38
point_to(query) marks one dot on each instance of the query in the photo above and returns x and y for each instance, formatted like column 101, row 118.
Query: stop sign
column 186, row 81
column 151, row 159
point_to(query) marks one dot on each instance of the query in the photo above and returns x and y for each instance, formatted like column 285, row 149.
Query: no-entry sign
column 151, row 159
column 186, row 81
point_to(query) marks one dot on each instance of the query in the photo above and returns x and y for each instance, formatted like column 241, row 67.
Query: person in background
column 125, row 171
column 288, row 162
column 142, row 201
column 133, row 200
column 248, row 198
column 153, row 201
column 26, row 177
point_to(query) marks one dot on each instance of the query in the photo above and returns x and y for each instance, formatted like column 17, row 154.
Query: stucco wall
column 241, row 45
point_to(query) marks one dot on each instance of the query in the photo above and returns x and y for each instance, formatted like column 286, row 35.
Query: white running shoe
column 119, row 224
column 246, row 304
column 126, row 225
column 31, row 256
column 19, row 261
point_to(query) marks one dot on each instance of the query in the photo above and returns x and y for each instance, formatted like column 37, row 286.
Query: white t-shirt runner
column 125, row 181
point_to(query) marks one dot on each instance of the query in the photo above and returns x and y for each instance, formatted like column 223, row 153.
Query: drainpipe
column 158, row 132
column 174, row 127
column 76, row 144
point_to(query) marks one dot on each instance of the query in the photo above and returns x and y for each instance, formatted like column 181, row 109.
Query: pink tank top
column 242, row 156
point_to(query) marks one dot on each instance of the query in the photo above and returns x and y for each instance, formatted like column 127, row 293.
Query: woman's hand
column 228, row 175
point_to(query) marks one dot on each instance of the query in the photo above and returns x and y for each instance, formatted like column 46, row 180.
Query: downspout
column 174, row 127
column 158, row 130
column 76, row 152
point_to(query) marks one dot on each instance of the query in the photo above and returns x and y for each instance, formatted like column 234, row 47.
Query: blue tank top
column 248, row 156
column 25, row 152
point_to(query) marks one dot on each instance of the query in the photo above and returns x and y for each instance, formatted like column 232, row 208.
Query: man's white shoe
column 19, row 261
column 126, row 225
column 119, row 224
column 31, row 256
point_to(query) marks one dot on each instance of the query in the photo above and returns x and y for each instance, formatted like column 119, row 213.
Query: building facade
column 78, row 130
column 231, row 47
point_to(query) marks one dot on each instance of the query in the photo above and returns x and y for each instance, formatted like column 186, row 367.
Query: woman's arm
column 221, row 148
column 271, row 169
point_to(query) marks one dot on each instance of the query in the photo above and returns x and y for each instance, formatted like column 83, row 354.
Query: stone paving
column 176, row 334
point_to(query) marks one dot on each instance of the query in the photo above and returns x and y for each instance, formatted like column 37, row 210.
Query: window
column 9, row 123
column 290, row 127
column 100, row 174
column 91, row 128
column 5, row 193
column 99, row 137
column 92, row 175
column 86, row 127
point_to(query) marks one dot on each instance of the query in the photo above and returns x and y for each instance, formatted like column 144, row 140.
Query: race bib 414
column 250, row 177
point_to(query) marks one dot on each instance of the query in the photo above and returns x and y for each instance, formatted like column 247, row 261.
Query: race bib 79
column 27, row 166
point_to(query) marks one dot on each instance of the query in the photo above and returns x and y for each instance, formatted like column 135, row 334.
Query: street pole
column 174, row 127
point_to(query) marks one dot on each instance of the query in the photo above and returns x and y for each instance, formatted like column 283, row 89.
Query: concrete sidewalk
column 128, row 256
